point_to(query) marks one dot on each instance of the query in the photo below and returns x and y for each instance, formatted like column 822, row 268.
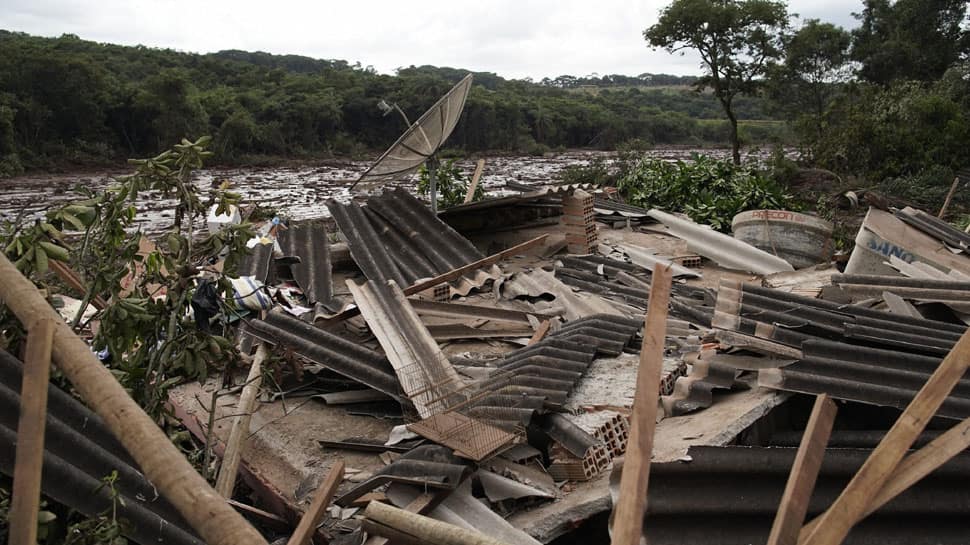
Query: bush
column 709, row 191
column 452, row 185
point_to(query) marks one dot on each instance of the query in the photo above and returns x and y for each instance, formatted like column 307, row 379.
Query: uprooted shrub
column 708, row 190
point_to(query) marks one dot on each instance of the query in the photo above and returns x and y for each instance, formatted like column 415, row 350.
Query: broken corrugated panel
column 883, row 235
column 425, row 466
column 310, row 242
column 695, row 391
column 790, row 319
column 726, row 251
column 462, row 509
column 257, row 263
column 426, row 376
column 935, row 227
column 79, row 452
column 868, row 375
column 539, row 283
column 731, row 495
column 328, row 350
column 396, row 237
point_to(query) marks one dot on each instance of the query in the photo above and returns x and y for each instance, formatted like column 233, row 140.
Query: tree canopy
column 70, row 100
column 736, row 40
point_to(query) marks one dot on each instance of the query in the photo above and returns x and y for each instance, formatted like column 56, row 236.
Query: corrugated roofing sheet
column 78, row 452
column 730, row 495
column 396, row 237
column 341, row 356
column 310, row 242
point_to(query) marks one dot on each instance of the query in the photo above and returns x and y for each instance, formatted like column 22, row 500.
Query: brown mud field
column 296, row 192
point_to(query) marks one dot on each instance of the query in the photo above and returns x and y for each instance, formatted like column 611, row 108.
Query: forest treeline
column 71, row 100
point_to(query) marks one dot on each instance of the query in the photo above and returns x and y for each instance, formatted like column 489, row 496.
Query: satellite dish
column 421, row 141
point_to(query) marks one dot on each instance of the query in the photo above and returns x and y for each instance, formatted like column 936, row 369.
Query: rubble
column 500, row 374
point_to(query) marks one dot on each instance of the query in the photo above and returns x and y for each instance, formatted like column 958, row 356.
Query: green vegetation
column 451, row 185
column 66, row 101
column 709, row 191
column 154, row 342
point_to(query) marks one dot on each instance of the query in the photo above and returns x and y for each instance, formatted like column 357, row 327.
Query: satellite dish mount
column 421, row 141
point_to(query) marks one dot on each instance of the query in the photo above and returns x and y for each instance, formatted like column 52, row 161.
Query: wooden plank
column 311, row 519
column 632, row 503
column 240, row 424
column 850, row 506
column 25, row 502
column 455, row 274
column 71, row 278
column 915, row 467
column 474, row 183
column 265, row 518
column 804, row 472
column 540, row 333
column 949, row 196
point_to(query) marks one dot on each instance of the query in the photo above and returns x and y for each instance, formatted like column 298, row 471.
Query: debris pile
column 480, row 367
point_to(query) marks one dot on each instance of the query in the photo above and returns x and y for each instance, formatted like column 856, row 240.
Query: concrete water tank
column 799, row 239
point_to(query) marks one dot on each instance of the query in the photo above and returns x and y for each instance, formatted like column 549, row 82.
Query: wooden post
column 240, row 425
column 321, row 500
column 474, row 184
column 850, row 506
column 804, row 472
column 632, row 502
column 949, row 197
column 914, row 467
column 206, row 511
column 30, row 434
column 394, row 523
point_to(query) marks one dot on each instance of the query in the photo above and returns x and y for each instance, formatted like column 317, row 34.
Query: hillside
column 69, row 100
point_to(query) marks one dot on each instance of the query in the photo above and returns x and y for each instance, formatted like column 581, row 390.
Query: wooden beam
column 311, row 519
column 804, row 472
column 541, row 332
column 394, row 523
column 420, row 505
column 632, row 502
column 240, row 424
column 914, row 467
column 474, row 183
column 850, row 506
column 25, row 502
column 163, row 464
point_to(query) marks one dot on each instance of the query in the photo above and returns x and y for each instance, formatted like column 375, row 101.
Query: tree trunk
column 735, row 140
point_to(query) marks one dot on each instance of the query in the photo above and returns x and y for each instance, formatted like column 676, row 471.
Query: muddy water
column 297, row 192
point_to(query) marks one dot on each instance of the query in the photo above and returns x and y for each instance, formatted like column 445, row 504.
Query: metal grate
column 451, row 422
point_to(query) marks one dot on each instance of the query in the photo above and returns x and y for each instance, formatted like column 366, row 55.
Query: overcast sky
column 514, row 38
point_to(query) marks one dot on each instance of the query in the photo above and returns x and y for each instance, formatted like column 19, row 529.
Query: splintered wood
column 852, row 505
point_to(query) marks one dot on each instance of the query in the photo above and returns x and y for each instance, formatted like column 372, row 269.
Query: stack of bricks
column 614, row 433
column 579, row 222
column 610, row 428
column 566, row 467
